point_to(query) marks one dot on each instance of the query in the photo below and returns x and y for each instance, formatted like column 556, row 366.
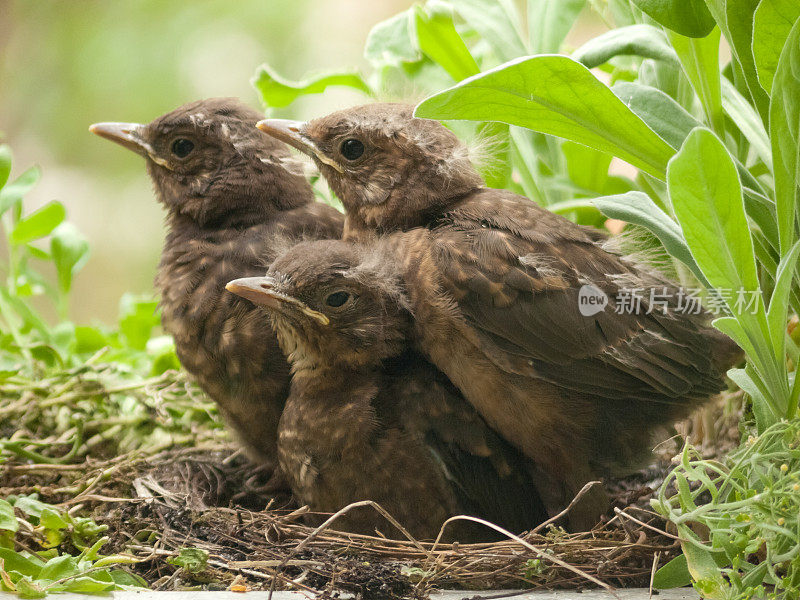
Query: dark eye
column 182, row 147
column 337, row 299
column 351, row 149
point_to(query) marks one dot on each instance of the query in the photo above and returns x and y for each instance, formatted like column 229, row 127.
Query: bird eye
column 182, row 147
column 352, row 149
column 337, row 299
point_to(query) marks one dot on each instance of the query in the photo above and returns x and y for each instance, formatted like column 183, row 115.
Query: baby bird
column 233, row 197
column 369, row 418
column 495, row 283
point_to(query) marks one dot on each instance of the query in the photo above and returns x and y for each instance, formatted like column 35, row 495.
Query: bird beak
column 127, row 135
column 291, row 132
column 262, row 291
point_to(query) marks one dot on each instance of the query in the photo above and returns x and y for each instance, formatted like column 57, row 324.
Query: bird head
column 331, row 303
column 210, row 164
column 390, row 169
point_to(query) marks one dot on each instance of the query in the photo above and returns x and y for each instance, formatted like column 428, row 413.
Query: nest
column 210, row 498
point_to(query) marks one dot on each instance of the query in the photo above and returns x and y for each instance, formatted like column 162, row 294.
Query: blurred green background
column 67, row 64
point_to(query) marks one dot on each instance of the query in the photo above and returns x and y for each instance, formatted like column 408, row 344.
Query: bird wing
column 491, row 479
column 518, row 274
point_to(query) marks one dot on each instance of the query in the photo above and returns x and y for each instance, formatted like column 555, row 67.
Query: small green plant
column 69, row 392
column 752, row 518
column 33, row 574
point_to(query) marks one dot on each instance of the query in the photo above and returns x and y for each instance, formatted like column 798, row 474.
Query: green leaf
column 784, row 128
column 38, row 224
column 50, row 519
column 707, row 198
column 89, row 340
column 777, row 314
column 277, row 92
column 636, row 40
column 30, row 505
column 673, row 574
column 549, row 22
column 59, row 568
column 29, row 589
column 12, row 193
column 661, row 113
column 5, row 164
column 495, row 21
column 763, row 409
column 587, row 168
column 438, row 39
column 700, row 62
column 747, row 120
column 702, row 566
column 14, row 561
column 125, row 578
column 193, row 560
column 138, row 317
column 735, row 19
column 391, row 42
column 8, row 522
column 70, row 251
column 772, row 23
column 639, row 209
column 686, row 17
column 558, row 96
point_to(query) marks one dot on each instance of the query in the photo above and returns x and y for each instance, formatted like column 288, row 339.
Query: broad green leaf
column 706, row 574
column 28, row 589
column 93, row 583
column 138, row 317
column 193, row 560
column 636, row 40
column 784, row 128
column 737, row 16
column 38, row 224
column 70, row 251
column 89, row 340
column 686, row 17
column 50, row 519
column 673, row 574
column 438, row 39
column 391, row 41
column 549, row 22
column 639, row 209
column 125, row 578
column 661, row 113
column 5, row 164
column 12, row 193
column 14, row 561
column 707, row 198
column 496, row 22
column 8, row 522
column 747, row 120
column 59, row 567
column 277, row 92
column 700, row 62
column 587, row 168
column 772, row 23
column 557, row 96
column 764, row 412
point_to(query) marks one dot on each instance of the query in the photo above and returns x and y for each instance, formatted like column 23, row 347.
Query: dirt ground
column 211, row 498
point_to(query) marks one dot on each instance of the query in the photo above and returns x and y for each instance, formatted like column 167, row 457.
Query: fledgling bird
column 233, row 197
column 368, row 418
column 495, row 283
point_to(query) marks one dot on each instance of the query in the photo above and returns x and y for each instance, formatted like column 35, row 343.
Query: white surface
column 638, row 594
